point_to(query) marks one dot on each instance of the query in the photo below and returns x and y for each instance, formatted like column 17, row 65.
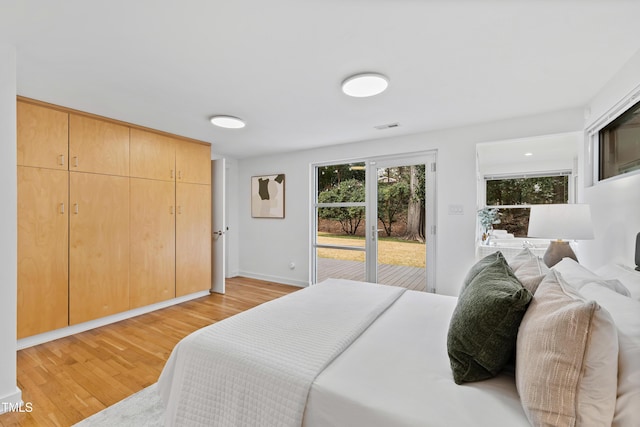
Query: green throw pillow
column 479, row 266
column 484, row 325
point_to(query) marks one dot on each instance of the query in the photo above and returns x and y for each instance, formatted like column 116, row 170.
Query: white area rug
column 143, row 409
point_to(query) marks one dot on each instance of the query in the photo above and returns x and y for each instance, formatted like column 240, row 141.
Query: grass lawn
column 390, row 250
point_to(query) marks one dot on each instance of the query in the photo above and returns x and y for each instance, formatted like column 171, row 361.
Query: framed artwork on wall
column 267, row 196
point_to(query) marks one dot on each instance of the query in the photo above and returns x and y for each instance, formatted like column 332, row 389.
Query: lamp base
column 557, row 250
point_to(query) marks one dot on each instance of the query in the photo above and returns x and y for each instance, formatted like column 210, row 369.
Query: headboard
column 638, row 252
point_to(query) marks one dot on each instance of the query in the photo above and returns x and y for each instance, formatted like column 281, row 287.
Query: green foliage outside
column 350, row 218
column 393, row 199
column 398, row 188
column 528, row 191
column 332, row 176
column 524, row 191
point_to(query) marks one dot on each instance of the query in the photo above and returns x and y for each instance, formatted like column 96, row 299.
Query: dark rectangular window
column 528, row 190
column 619, row 144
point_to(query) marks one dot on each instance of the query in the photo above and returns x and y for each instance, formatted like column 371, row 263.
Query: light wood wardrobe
column 111, row 217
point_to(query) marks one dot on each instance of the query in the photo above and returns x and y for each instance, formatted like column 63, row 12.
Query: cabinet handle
column 171, row 210
column 179, row 210
column 179, row 174
column 75, row 208
column 62, row 208
column 172, row 174
column 75, row 161
column 61, row 159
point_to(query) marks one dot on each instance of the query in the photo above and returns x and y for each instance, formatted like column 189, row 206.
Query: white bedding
column 395, row 372
column 256, row 368
column 398, row 374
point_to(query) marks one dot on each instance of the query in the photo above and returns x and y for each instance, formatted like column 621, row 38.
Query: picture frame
column 267, row 196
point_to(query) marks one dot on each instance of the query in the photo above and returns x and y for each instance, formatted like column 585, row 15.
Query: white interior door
column 218, row 225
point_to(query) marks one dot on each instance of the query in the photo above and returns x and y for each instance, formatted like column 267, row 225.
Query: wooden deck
column 396, row 275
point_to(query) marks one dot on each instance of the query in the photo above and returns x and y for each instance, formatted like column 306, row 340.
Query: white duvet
column 336, row 354
column 397, row 373
column 256, row 368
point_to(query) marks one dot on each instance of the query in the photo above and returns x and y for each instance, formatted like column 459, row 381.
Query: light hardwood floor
column 69, row 379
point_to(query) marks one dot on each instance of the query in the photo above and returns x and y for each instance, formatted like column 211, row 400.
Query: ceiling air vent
column 387, row 126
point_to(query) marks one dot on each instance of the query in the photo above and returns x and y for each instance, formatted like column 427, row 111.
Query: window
column 514, row 195
column 619, row 144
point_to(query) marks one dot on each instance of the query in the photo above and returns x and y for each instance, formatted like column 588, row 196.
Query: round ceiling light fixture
column 228, row 122
column 365, row 84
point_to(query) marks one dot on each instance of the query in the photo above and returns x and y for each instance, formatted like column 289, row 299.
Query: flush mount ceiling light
column 228, row 122
column 528, row 154
column 365, row 84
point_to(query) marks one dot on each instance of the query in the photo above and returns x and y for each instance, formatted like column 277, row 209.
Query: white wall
column 615, row 204
column 267, row 246
column 9, row 393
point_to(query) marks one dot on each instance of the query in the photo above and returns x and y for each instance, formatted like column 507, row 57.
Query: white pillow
column 578, row 276
column 626, row 275
column 626, row 315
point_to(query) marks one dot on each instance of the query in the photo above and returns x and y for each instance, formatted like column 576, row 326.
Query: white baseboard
column 11, row 401
column 74, row 329
column 276, row 279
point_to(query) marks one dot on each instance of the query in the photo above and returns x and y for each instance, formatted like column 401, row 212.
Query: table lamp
column 563, row 221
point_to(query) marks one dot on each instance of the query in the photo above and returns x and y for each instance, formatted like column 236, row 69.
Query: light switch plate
column 456, row 210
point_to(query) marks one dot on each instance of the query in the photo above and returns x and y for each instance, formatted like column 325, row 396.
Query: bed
column 345, row 353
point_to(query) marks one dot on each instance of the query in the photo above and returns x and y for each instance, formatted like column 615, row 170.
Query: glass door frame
column 429, row 159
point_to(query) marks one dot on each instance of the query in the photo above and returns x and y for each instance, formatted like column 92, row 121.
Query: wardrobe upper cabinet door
column 98, row 146
column 42, row 250
column 193, row 162
column 43, row 136
column 153, row 156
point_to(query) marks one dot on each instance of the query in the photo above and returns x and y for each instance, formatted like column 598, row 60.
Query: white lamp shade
column 569, row 221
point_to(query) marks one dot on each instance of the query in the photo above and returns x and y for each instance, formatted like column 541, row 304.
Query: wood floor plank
column 70, row 379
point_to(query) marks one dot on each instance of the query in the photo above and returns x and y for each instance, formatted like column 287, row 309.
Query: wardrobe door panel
column 43, row 136
column 193, row 162
column 193, row 238
column 42, row 250
column 153, row 156
column 153, row 245
column 98, row 146
column 99, row 246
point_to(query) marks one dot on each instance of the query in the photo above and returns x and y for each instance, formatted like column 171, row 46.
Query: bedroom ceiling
column 278, row 65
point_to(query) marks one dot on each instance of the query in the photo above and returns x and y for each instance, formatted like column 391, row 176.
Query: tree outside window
column 514, row 196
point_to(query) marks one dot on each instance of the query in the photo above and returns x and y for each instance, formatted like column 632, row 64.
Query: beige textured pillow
column 567, row 358
column 522, row 257
column 531, row 273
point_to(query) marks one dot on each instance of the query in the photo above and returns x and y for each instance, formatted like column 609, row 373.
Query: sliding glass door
column 340, row 213
column 375, row 221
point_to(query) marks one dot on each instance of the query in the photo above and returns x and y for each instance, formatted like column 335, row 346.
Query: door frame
column 218, row 225
column 429, row 158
